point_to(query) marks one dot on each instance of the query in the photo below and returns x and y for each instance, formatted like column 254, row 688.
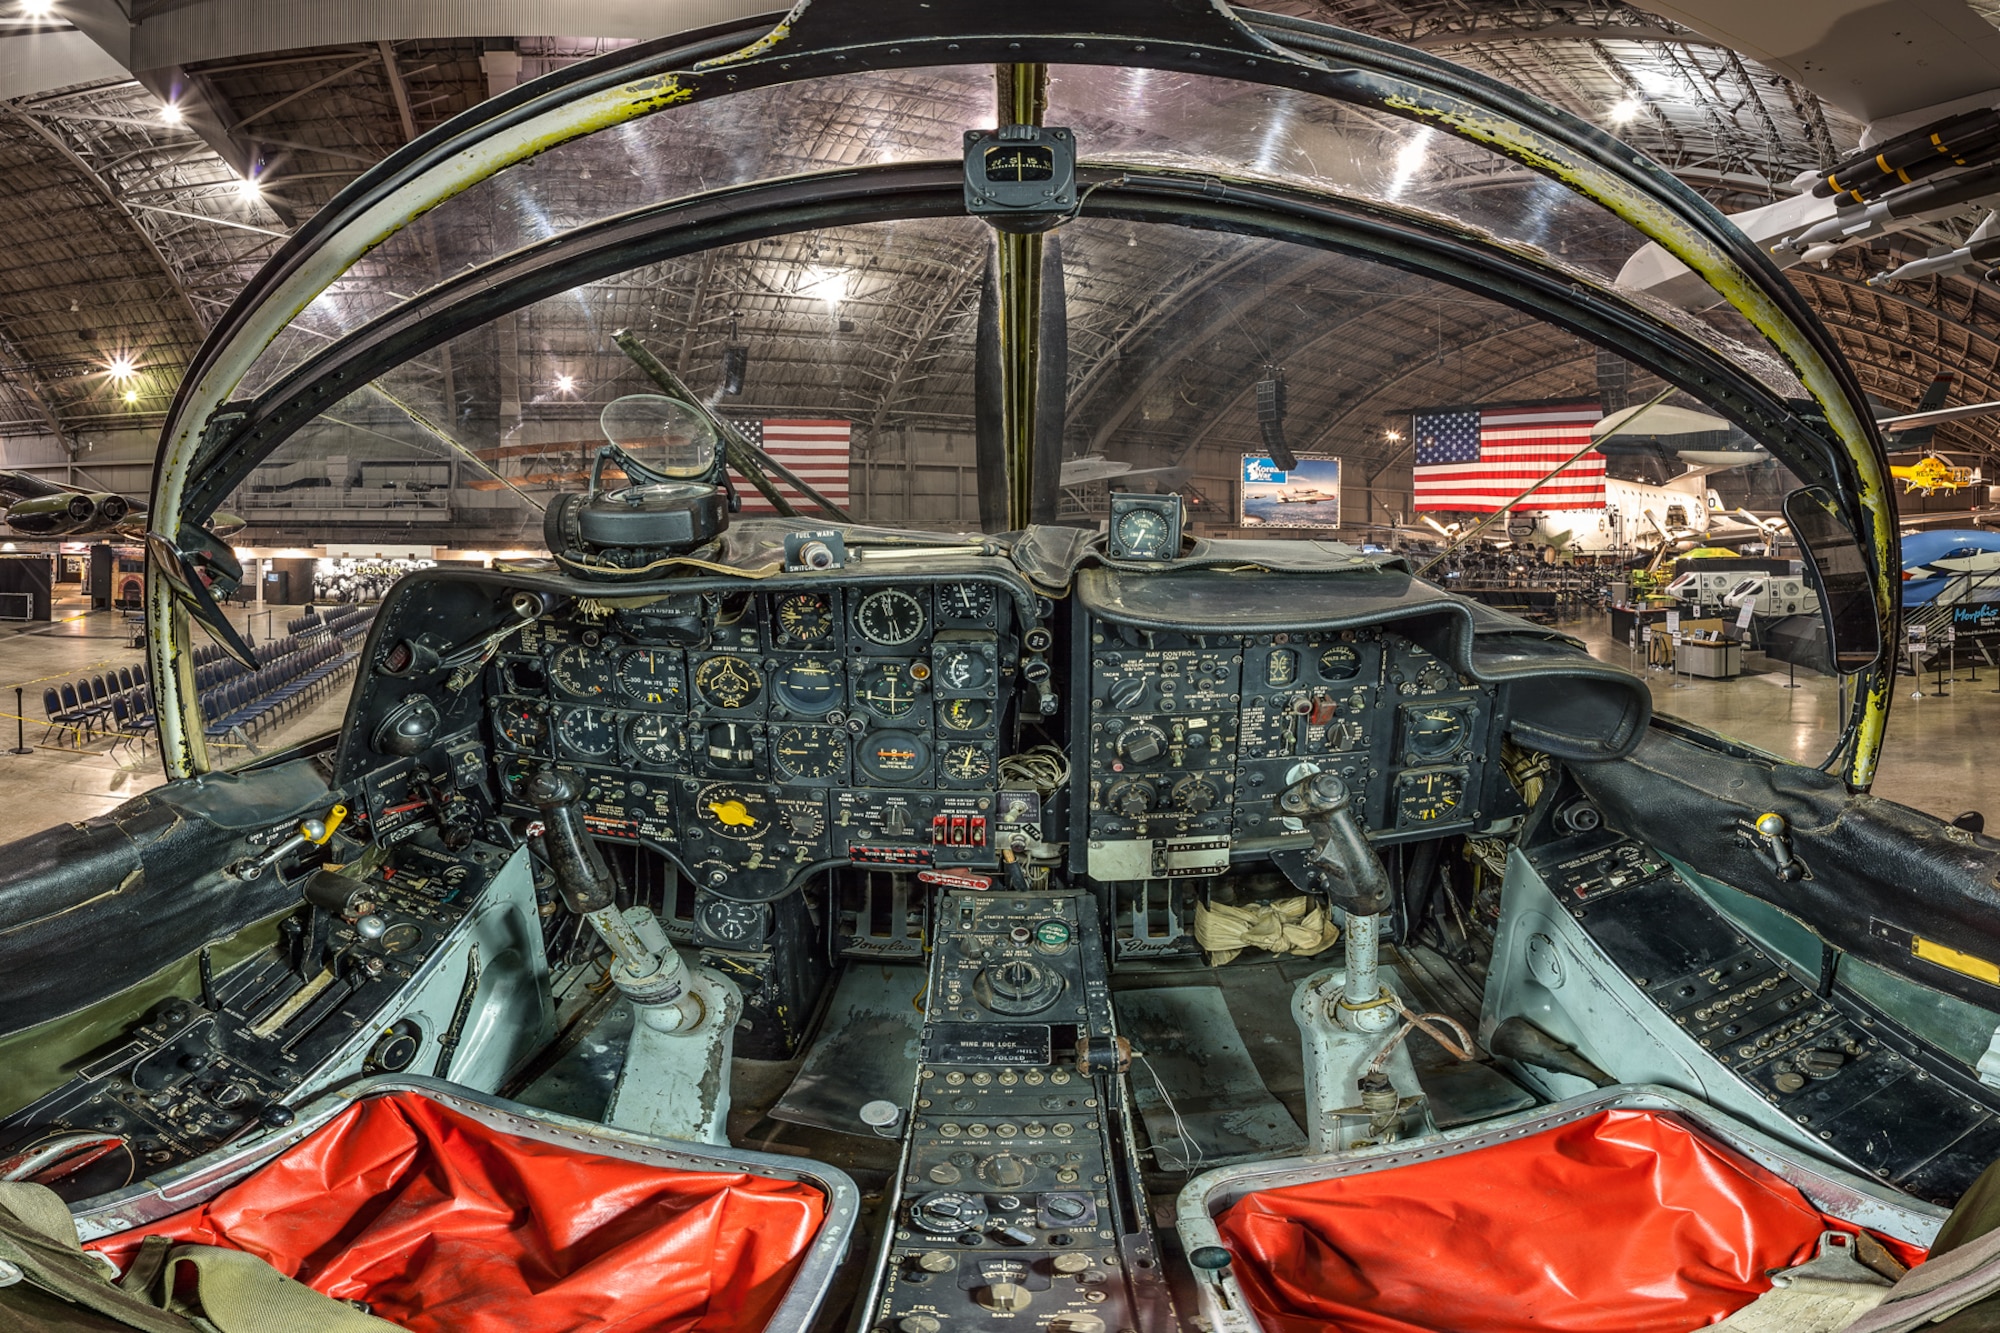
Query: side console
column 1605, row 947
column 1018, row 1185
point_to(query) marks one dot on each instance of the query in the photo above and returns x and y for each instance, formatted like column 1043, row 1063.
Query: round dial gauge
column 581, row 672
column 588, row 733
column 965, row 601
column 728, row 682
column 963, row 668
column 966, row 762
column 1429, row 797
column 520, row 726
column 887, row 690
column 894, row 758
column 805, row 618
column 1339, row 662
column 890, row 617
column 1142, row 533
column 654, row 741
column 810, row 753
column 964, row 714
column 651, row 675
column 733, row 811
column 809, row 685
column 1432, row 731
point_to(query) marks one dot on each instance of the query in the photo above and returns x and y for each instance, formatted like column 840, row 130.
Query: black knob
column 1209, row 1258
column 277, row 1116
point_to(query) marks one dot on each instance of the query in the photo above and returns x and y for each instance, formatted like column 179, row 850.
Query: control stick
column 657, row 982
column 1346, row 868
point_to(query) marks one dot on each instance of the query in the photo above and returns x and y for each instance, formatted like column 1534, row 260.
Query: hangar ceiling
column 129, row 229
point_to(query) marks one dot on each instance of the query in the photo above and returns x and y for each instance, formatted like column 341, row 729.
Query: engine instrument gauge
column 964, row 714
column 893, row 758
column 809, row 753
column 732, row 811
column 581, row 672
column 1429, row 796
column 1143, row 534
column 1339, row 662
column 889, row 617
column 520, row 725
column 651, row 676
column 1432, row 731
column 963, row 667
column 887, row 690
column 728, row 682
column 965, row 601
column 587, row 733
column 654, row 741
column 808, row 685
column 804, row 619
column 966, row 762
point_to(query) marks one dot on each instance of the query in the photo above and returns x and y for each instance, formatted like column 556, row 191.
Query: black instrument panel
column 1191, row 738
column 818, row 723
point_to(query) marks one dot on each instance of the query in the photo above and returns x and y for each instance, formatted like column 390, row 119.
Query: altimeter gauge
column 654, row 741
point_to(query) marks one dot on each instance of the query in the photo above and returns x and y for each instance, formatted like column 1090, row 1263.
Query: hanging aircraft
column 1925, row 77
column 38, row 507
column 1931, row 474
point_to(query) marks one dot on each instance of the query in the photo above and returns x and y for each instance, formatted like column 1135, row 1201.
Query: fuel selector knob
column 948, row 1212
column 1017, row 987
column 1005, row 1297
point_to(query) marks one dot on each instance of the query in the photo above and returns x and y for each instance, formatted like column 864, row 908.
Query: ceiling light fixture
column 37, row 9
column 1626, row 111
column 170, row 112
column 123, row 367
column 1392, row 435
column 825, row 284
column 249, row 188
column 131, row 395
column 565, row 384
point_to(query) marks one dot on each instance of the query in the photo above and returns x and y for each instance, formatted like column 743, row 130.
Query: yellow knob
column 733, row 813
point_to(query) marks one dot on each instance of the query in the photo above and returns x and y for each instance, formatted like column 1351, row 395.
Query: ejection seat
column 1627, row 1210
column 442, row 1212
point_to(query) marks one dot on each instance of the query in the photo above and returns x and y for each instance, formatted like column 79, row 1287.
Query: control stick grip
column 1341, row 857
column 581, row 875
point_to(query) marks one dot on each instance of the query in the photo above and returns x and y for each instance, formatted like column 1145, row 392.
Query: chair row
column 86, row 704
column 243, row 706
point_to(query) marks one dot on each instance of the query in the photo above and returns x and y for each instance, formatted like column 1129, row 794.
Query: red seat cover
column 445, row 1225
column 1623, row 1222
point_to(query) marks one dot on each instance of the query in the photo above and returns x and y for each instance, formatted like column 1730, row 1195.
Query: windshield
column 1250, row 298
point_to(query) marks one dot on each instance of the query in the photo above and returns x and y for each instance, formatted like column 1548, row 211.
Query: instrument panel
column 1190, row 740
column 815, row 725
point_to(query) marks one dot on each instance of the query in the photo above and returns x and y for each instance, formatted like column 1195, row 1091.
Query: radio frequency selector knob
column 1133, row 798
column 1076, row 1322
column 1005, row 1297
column 1064, row 1207
column 1006, row 1170
column 937, row 1261
column 918, row 1323
column 946, row 1212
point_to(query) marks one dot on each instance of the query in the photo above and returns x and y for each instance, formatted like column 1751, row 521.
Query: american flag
column 816, row 451
column 1477, row 459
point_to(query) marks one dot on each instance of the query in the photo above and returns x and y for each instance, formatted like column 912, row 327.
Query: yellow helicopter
column 1931, row 474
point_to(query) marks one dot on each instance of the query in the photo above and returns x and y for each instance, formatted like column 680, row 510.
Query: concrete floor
column 57, row 782
column 1937, row 757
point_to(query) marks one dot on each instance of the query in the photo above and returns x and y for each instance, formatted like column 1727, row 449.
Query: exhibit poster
column 1305, row 496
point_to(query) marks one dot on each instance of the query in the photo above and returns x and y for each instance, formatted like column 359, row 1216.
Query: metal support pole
column 21, row 745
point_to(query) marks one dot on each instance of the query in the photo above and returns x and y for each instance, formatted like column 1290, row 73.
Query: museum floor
column 1940, row 754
